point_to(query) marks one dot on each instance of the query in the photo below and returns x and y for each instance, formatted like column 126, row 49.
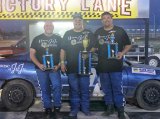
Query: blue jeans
column 111, row 84
column 79, row 93
column 50, row 83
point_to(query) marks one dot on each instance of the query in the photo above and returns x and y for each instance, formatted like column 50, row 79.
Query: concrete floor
column 37, row 107
column 65, row 107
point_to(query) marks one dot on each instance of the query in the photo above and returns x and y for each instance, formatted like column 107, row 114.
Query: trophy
column 112, row 47
column 47, row 58
column 84, row 59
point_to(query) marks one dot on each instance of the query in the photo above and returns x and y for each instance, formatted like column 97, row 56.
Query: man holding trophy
column 112, row 43
column 76, row 47
column 45, row 54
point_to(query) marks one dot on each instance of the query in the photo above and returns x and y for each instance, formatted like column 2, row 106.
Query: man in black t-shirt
column 79, row 85
column 110, row 69
column 52, row 76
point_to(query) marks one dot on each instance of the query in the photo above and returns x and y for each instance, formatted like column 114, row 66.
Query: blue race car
column 18, row 81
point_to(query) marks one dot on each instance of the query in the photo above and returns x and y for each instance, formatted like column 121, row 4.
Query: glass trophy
column 84, row 59
column 112, row 47
column 48, row 61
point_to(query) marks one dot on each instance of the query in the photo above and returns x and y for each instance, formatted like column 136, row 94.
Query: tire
column 154, row 61
column 148, row 95
column 17, row 95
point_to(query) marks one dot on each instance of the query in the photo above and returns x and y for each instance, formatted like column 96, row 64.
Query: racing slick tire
column 148, row 95
column 17, row 95
column 154, row 61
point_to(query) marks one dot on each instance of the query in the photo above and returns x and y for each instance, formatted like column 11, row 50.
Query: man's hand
column 63, row 68
column 42, row 67
column 125, row 50
column 56, row 67
column 120, row 55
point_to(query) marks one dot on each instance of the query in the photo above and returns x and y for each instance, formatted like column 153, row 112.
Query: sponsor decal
column 143, row 71
column 4, row 65
column 14, row 68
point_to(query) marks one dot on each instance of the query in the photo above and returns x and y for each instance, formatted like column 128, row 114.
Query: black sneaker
column 72, row 115
column 87, row 113
column 121, row 113
column 109, row 110
column 57, row 113
column 48, row 112
column 121, row 116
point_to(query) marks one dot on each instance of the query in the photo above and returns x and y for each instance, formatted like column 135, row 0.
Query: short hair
column 106, row 13
column 48, row 22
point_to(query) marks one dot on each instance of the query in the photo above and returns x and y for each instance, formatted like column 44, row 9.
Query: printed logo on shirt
column 73, row 42
column 76, row 39
column 101, row 41
column 104, row 39
column 48, row 43
column 113, row 31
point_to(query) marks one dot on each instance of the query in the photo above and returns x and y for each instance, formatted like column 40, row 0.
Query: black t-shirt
column 54, row 44
column 72, row 44
column 102, row 37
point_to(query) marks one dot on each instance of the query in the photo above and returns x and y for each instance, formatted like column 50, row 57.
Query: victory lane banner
column 64, row 9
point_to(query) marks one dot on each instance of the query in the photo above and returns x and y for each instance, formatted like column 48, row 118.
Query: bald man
column 46, row 78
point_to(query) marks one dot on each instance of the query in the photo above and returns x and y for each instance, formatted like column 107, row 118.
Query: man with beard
column 109, row 68
column 79, row 84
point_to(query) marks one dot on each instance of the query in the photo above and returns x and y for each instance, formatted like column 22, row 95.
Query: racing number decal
column 16, row 68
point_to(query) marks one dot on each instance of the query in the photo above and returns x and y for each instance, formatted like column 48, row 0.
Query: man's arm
column 34, row 59
column 125, row 50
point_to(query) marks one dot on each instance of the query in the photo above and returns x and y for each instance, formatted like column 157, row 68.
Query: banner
column 64, row 9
